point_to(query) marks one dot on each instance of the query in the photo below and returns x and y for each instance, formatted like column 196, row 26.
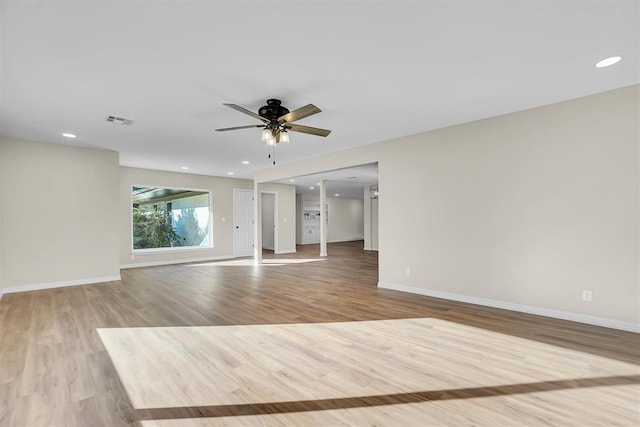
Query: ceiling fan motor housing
column 272, row 110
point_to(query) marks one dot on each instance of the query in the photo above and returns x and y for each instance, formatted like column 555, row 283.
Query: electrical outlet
column 407, row 271
column 586, row 296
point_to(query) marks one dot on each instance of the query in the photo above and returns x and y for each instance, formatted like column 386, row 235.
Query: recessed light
column 310, row 188
column 292, row 180
column 68, row 135
column 245, row 162
column 229, row 173
column 608, row 61
column 337, row 195
column 184, row 168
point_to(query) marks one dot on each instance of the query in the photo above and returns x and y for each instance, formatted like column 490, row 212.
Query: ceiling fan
column 277, row 121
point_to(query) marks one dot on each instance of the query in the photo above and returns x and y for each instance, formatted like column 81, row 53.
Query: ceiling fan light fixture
column 284, row 136
column 268, row 137
column 277, row 121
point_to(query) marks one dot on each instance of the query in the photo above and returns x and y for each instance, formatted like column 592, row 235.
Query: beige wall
column 58, row 224
column 346, row 217
column 528, row 209
column 222, row 194
column 286, row 214
column 268, row 221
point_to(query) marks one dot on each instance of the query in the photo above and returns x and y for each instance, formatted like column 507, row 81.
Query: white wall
column 346, row 217
column 286, row 215
column 222, row 227
column 268, row 221
column 527, row 209
column 59, row 215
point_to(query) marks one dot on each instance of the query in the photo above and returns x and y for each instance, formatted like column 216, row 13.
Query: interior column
column 323, row 219
column 257, row 224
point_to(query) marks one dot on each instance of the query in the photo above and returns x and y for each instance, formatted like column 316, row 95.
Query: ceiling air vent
column 119, row 120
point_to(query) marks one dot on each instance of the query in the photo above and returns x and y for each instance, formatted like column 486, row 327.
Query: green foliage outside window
column 152, row 229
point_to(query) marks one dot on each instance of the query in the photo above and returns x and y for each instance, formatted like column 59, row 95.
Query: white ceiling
column 377, row 69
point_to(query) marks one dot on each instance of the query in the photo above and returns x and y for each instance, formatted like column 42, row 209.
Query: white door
column 242, row 222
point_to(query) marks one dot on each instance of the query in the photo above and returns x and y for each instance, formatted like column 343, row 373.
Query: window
column 170, row 218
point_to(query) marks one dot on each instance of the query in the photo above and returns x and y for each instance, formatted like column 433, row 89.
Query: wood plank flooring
column 299, row 341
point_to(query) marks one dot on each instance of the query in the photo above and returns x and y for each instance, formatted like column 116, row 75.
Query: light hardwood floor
column 299, row 341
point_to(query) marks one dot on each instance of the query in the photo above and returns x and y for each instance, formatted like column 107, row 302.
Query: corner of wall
column 66, row 249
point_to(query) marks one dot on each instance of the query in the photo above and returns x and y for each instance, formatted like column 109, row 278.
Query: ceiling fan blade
column 300, row 113
column 240, row 127
column 308, row 129
column 244, row 110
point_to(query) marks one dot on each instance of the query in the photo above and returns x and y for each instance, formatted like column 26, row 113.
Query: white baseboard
column 61, row 284
column 540, row 311
column 288, row 251
column 371, row 249
column 1, row 293
column 175, row 261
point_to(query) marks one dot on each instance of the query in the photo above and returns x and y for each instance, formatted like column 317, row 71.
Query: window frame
column 172, row 249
